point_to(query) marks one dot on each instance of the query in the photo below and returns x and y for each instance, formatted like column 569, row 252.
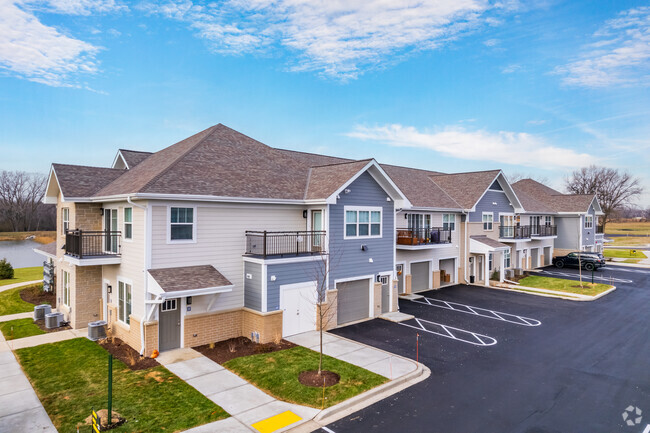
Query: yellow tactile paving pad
column 276, row 422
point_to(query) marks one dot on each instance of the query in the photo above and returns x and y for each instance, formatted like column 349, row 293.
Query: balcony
column 285, row 244
column 514, row 232
column 422, row 237
column 543, row 231
column 88, row 248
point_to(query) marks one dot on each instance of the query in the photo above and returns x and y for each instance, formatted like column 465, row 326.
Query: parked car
column 589, row 261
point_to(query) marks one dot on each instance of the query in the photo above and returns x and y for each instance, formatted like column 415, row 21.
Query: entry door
column 298, row 305
column 316, row 225
column 110, row 225
column 170, row 325
column 480, row 268
column 385, row 293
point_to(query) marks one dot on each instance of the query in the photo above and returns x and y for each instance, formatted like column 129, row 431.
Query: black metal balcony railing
column 543, row 230
column 85, row 244
column 423, row 236
column 600, row 229
column 265, row 244
column 514, row 232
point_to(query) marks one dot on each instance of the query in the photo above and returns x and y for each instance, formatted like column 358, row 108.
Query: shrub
column 6, row 270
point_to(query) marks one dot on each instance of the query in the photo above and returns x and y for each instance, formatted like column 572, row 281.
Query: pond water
column 20, row 253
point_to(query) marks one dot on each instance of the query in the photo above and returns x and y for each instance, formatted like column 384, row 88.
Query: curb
column 568, row 296
column 629, row 265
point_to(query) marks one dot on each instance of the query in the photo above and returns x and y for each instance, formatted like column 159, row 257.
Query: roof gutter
column 466, row 248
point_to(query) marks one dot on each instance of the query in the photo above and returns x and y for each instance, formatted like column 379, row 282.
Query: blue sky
column 537, row 88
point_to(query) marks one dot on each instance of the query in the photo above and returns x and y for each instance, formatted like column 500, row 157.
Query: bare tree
column 613, row 188
column 20, row 199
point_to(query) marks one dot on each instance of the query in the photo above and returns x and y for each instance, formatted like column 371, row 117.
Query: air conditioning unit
column 509, row 273
column 41, row 310
column 53, row 320
column 519, row 272
column 97, row 330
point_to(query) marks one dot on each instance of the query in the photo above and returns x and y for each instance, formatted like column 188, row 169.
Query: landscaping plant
column 6, row 270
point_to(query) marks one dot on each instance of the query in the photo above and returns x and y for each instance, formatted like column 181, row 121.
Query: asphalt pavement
column 580, row 369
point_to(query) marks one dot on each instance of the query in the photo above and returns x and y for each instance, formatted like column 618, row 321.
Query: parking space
column 578, row 370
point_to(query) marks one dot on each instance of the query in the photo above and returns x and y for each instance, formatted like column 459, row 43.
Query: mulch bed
column 128, row 355
column 41, row 324
column 311, row 378
column 35, row 295
column 237, row 347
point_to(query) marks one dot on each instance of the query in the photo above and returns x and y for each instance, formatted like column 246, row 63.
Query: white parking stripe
column 587, row 277
column 452, row 332
column 647, row 429
column 478, row 311
column 328, row 430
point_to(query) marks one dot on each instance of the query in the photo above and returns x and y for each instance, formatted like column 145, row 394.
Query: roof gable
column 78, row 181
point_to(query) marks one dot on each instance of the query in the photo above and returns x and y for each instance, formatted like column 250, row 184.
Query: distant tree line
column 21, row 208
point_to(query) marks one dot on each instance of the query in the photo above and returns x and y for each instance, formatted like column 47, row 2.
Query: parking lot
column 511, row 362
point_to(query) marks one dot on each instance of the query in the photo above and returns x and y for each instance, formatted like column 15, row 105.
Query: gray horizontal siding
column 347, row 259
column 568, row 232
column 589, row 235
column 253, row 287
column 290, row 273
column 486, row 205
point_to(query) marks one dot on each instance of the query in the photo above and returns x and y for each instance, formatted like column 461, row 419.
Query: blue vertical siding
column 290, row 273
column 253, row 287
column 346, row 256
column 486, row 205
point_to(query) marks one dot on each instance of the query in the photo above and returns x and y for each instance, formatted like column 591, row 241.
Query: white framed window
column 128, row 223
column 124, row 302
column 182, row 226
column 418, row 221
column 363, row 222
column 589, row 221
column 449, row 221
column 490, row 261
column 488, row 219
column 65, row 219
column 534, row 224
column 168, row 305
column 65, row 278
column 548, row 220
column 506, row 258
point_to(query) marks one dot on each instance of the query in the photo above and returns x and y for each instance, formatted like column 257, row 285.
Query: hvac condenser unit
column 97, row 330
column 53, row 320
column 41, row 310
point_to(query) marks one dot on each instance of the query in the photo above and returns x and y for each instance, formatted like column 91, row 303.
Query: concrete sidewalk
column 9, row 317
column 36, row 340
column 13, row 286
column 249, row 405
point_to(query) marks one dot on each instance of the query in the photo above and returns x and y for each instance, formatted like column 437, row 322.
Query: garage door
column 420, row 276
column 547, row 256
column 353, row 301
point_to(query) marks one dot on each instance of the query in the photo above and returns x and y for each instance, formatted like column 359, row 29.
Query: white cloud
column 29, row 49
column 491, row 42
column 74, row 7
column 510, row 69
column 619, row 54
column 516, row 148
column 337, row 38
column 537, row 122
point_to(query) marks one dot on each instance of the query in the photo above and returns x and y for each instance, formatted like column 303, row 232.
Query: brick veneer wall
column 269, row 325
column 395, row 295
column 86, row 295
column 330, row 307
column 377, row 306
column 212, row 327
column 130, row 334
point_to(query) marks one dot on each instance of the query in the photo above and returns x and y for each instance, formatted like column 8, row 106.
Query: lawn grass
column 24, row 274
column 277, row 374
column 537, row 293
column 70, row 378
column 42, row 237
column 633, row 261
column 630, row 241
column 565, row 286
column 631, row 228
column 21, row 328
column 624, row 254
column 12, row 303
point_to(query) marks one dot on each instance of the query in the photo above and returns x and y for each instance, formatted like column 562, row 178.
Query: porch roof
column 47, row 250
column 483, row 244
column 185, row 281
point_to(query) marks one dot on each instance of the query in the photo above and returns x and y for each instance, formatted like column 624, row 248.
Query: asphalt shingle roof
column 553, row 199
column 466, row 188
column 420, row 189
column 83, row 181
column 189, row 278
column 134, row 157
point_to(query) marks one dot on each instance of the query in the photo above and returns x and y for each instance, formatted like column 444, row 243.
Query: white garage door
column 420, row 276
column 353, row 301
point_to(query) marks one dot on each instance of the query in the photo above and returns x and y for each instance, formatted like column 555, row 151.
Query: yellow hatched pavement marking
column 276, row 422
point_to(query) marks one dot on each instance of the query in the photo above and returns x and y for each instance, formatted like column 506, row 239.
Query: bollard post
column 417, row 347
column 110, row 389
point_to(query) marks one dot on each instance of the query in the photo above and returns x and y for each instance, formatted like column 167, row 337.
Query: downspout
column 466, row 239
column 142, row 339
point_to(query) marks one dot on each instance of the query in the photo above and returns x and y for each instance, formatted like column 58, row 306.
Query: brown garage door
column 353, row 301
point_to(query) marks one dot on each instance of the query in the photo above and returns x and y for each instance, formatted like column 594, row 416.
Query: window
column 65, row 219
column 589, row 221
column 548, row 221
column 65, row 276
column 490, row 261
column 168, row 305
column 449, row 221
column 362, row 222
column 182, row 223
column 506, row 258
column 487, row 220
column 417, row 221
column 124, row 304
column 128, row 223
column 534, row 224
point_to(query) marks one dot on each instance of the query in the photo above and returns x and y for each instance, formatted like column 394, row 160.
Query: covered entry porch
column 486, row 256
